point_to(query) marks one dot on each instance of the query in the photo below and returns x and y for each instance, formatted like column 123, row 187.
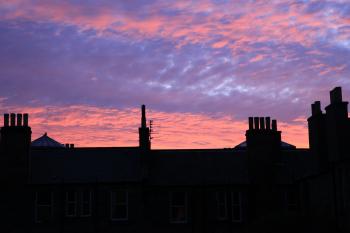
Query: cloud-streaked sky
column 83, row 68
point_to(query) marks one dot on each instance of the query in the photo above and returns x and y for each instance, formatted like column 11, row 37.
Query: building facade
column 260, row 185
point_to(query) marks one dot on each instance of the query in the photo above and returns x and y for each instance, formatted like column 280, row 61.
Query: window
column 119, row 205
column 291, row 200
column 178, row 207
column 85, row 203
column 236, row 206
column 71, row 204
column 221, row 201
column 43, row 206
column 342, row 194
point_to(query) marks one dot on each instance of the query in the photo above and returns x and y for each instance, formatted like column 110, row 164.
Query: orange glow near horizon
column 88, row 126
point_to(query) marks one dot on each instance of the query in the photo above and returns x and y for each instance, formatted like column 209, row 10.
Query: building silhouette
column 260, row 185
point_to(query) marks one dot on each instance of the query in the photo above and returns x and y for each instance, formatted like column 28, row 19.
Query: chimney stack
column 19, row 119
column 251, row 123
column 6, row 119
column 25, row 119
column 13, row 119
column 274, row 125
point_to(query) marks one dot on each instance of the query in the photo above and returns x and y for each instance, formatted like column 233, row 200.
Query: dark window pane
column 291, row 197
column 44, row 214
column 44, row 198
column 86, row 203
column 221, row 205
column 179, row 214
column 119, row 212
column 86, row 209
column 236, row 213
column 221, row 212
column 221, row 197
column 178, row 207
column 43, row 206
column 119, row 205
column 178, row 198
column 71, row 203
column 71, row 196
column 235, row 198
column 71, row 209
column 236, row 206
column 86, row 196
column 120, row 197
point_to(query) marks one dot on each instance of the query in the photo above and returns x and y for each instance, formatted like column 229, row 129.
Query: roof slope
column 284, row 145
column 85, row 165
column 191, row 167
column 165, row 167
column 46, row 141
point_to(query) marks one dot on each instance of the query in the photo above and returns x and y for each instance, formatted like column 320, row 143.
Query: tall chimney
column 13, row 119
column 25, row 119
column 256, row 122
column 6, row 119
column 336, row 95
column 262, row 123
column 274, row 125
column 251, row 123
column 143, row 118
column 268, row 123
column 144, row 131
column 19, row 119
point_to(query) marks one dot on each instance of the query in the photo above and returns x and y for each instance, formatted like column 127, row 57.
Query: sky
column 81, row 69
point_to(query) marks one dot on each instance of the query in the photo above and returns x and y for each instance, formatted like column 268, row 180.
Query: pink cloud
column 257, row 58
column 195, row 23
column 97, row 126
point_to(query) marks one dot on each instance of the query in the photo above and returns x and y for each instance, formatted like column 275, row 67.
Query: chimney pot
column 6, row 119
column 25, row 119
column 274, row 125
column 268, row 123
column 316, row 108
column 143, row 116
column 251, row 123
column 262, row 123
column 19, row 119
column 13, row 119
column 72, row 146
column 256, row 122
column 67, row 145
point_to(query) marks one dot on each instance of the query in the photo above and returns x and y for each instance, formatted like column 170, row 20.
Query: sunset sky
column 81, row 69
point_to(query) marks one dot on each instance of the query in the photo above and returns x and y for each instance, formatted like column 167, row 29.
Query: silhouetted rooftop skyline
column 204, row 65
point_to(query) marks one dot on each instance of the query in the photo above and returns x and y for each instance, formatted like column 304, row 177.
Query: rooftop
column 47, row 142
